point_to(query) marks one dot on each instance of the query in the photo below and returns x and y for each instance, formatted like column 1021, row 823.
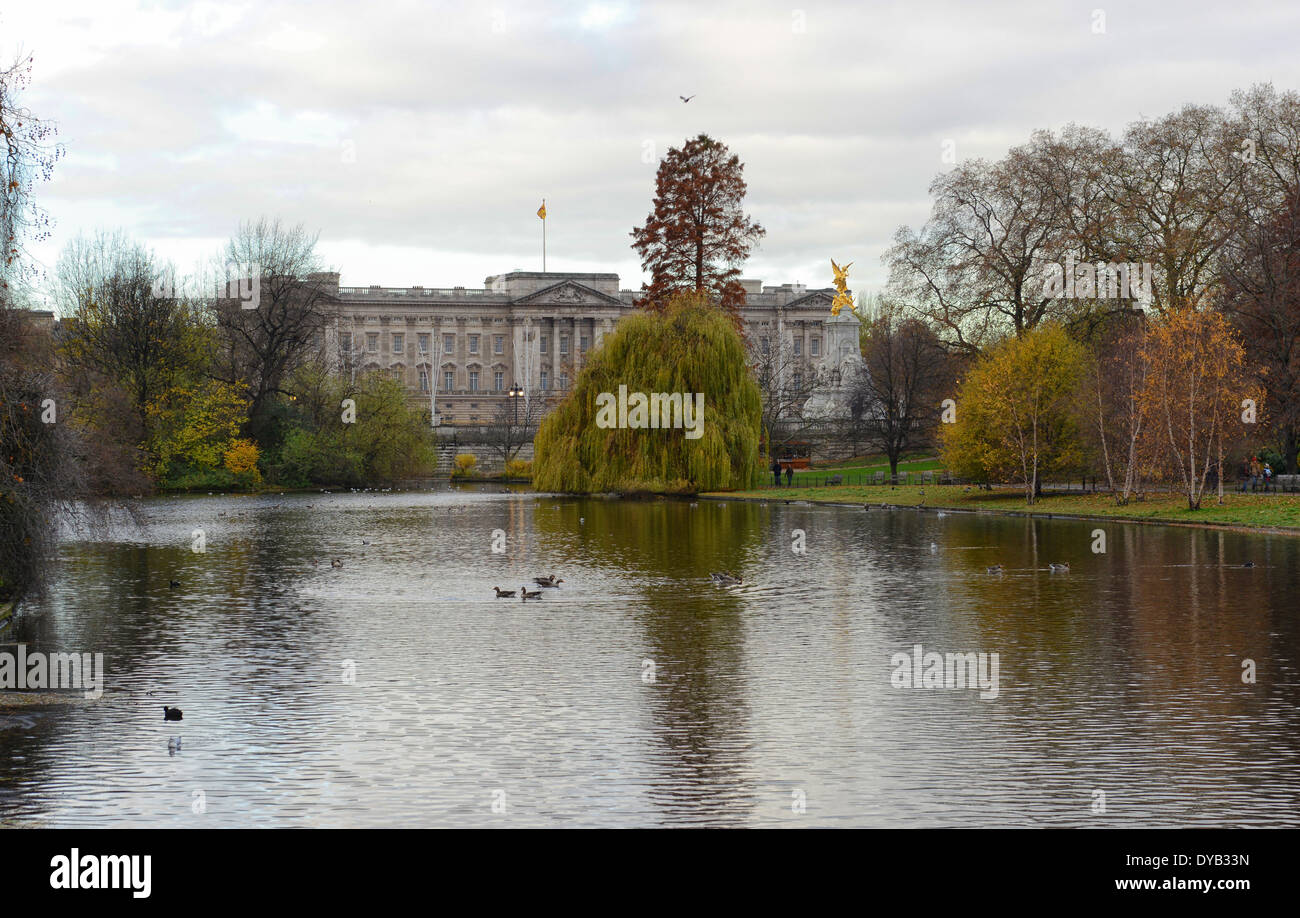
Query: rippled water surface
column 639, row 693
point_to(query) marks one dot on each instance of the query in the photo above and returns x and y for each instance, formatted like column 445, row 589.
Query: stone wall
column 452, row 441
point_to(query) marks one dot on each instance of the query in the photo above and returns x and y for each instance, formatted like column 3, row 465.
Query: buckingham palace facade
column 460, row 351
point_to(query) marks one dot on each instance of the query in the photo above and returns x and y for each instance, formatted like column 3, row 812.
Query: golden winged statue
column 842, row 296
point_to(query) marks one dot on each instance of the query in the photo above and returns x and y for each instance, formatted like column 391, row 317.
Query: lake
column 396, row 690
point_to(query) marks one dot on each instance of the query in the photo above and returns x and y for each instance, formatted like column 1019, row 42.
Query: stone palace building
column 461, row 352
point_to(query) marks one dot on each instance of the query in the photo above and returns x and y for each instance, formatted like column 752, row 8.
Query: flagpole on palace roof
column 541, row 212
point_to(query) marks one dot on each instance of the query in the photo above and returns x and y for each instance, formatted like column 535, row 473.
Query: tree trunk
column 1219, row 473
column 1105, row 448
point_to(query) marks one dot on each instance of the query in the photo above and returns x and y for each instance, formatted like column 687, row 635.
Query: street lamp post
column 433, row 385
column 516, row 393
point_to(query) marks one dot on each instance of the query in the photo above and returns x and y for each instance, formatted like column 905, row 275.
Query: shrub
column 386, row 440
column 308, row 457
column 241, row 461
column 465, row 463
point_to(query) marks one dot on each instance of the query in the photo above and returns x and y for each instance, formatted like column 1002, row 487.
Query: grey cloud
column 460, row 128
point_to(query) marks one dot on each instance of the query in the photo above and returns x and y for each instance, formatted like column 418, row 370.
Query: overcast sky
column 419, row 138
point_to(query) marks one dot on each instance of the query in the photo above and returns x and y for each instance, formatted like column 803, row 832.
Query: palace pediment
column 568, row 293
column 814, row 299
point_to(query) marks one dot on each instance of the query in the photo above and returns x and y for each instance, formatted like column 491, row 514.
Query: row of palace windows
column 544, row 344
column 814, row 347
column 498, row 344
column 422, row 343
column 498, row 380
column 449, row 343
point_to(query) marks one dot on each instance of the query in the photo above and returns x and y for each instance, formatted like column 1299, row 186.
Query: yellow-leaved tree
column 1015, row 414
column 196, row 428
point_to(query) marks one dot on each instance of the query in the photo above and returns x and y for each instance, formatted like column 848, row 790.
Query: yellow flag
column 541, row 211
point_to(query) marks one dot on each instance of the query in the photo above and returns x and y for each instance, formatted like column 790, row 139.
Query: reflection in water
column 397, row 690
column 693, row 636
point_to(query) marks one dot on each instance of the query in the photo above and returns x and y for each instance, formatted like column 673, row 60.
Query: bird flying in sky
column 686, row 99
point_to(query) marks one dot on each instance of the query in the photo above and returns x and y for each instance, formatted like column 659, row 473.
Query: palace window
column 564, row 381
column 424, row 380
column 582, row 344
column 564, row 344
column 766, row 345
column 372, row 341
column 546, row 380
column 449, row 344
column 473, row 344
column 473, row 380
column 798, row 347
column 448, row 376
column 545, row 343
column 798, row 381
column 397, row 375
column 815, row 347
column 345, row 342
column 423, row 342
column 498, row 380
column 399, row 343
column 498, row 344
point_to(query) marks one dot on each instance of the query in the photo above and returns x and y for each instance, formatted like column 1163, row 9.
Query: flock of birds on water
column 526, row 594
column 1056, row 568
column 1062, row 568
column 722, row 578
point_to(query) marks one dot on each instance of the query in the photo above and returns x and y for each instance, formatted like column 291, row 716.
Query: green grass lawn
column 1281, row 511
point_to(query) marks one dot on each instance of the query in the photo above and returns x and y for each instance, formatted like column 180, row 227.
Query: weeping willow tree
column 690, row 348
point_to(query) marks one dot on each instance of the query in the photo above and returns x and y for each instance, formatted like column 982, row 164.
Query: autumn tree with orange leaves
column 1193, row 401
column 697, row 236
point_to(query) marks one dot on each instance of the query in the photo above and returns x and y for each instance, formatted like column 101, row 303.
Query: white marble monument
column 838, row 376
